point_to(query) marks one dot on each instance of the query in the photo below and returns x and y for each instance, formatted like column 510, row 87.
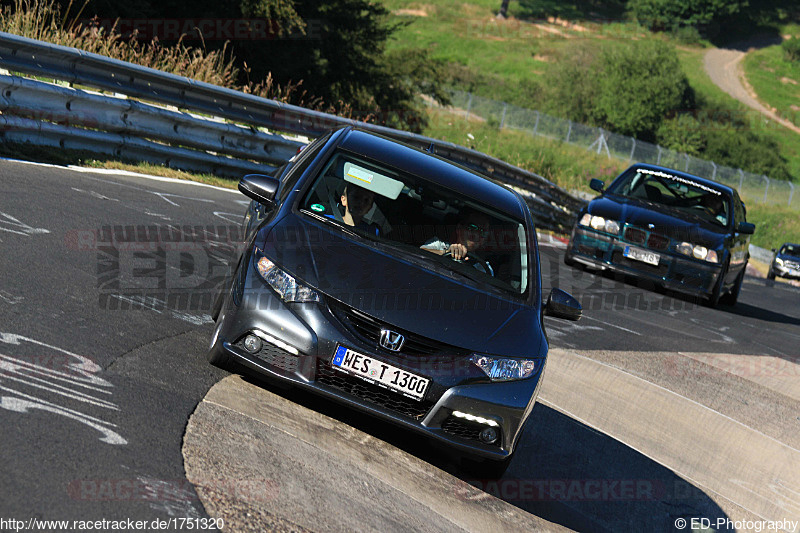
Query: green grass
column 775, row 80
column 775, row 225
column 706, row 90
column 568, row 166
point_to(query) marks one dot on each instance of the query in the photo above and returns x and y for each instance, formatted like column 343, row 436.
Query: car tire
column 716, row 293
column 568, row 260
column 733, row 295
column 771, row 275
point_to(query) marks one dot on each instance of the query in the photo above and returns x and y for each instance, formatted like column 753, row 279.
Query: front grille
column 371, row 393
column 273, row 356
column 369, row 329
column 657, row 242
column 642, row 237
column 635, row 235
column 464, row 429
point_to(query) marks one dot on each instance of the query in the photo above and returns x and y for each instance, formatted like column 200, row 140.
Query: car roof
column 686, row 175
column 433, row 168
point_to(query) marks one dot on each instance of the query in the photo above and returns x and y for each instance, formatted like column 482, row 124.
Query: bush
column 639, row 86
column 683, row 134
column 791, row 49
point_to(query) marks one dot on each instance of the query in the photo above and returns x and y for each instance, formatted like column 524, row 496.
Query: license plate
column 641, row 255
column 380, row 373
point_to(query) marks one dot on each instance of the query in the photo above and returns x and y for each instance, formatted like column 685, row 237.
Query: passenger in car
column 357, row 202
column 470, row 236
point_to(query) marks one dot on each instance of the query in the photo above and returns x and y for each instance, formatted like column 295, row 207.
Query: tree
column 670, row 15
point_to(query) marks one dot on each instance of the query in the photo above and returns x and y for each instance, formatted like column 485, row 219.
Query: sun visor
column 372, row 181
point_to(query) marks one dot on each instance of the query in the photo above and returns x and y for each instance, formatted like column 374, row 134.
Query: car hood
column 398, row 291
column 675, row 224
column 788, row 257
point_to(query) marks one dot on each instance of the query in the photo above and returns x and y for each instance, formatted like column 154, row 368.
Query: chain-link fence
column 752, row 187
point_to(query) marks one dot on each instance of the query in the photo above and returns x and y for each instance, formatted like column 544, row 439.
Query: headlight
column 600, row 224
column 698, row 252
column 779, row 261
column 284, row 284
column 503, row 369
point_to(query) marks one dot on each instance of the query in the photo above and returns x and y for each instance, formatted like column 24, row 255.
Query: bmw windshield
column 411, row 216
column 676, row 192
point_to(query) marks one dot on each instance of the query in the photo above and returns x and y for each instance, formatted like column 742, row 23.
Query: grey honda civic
column 392, row 281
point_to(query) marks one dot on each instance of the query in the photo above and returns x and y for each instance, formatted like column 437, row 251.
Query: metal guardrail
column 128, row 124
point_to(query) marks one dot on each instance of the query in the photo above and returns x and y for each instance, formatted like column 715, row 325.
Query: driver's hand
column 458, row 251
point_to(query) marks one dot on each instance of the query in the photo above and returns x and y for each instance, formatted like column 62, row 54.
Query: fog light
column 252, row 344
column 488, row 435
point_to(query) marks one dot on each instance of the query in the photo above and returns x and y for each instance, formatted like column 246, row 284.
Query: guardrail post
column 686, row 167
column 791, row 193
column 714, row 172
column 633, row 149
column 658, row 160
column 766, row 189
column 536, row 126
column 569, row 131
column 503, row 118
column 469, row 106
column 741, row 180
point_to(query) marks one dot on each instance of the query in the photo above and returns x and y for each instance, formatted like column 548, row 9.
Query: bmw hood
column 675, row 224
column 398, row 290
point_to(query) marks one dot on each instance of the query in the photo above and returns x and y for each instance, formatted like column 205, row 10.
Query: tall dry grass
column 44, row 21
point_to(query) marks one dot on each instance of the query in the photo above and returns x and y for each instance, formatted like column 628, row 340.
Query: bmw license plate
column 644, row 256
column 380, row 373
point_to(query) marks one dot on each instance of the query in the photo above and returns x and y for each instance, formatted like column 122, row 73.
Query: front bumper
column 784, row 271
column 674, row 271
column 314, row 331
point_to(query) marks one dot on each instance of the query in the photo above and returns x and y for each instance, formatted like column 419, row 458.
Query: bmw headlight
column 282, row 283
column 506, row 369
column 698, row 252
column 600, row 224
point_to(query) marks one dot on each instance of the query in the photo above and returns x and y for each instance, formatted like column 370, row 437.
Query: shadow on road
column 563, row 471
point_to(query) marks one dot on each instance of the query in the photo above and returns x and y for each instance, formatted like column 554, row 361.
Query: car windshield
column 418, row 219
column 791, row 249
column 663, row 188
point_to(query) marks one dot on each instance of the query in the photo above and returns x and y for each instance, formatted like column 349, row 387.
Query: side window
column 293, row 170
column 738, row 210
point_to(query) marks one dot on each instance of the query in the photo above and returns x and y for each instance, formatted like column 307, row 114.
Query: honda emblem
column 391, row 340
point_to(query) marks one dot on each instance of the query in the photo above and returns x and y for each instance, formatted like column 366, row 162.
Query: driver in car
column 470, row 236
column 357, row 202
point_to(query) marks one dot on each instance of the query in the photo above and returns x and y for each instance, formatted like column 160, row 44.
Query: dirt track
column 724, row 67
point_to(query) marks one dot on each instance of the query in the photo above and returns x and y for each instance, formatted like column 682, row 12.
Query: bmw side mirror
column 746, row 228
column 561, row 304
column 597, row 185
column 260, row 188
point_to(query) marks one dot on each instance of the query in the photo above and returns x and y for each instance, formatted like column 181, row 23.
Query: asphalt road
column 102, row 362
column 95, row 391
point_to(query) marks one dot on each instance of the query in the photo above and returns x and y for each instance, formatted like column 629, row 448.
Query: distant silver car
column 785, row 262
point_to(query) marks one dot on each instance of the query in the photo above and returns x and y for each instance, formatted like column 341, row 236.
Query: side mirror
column 746, row 228
column 260, row 188
column 597, row 185
column 561, row 304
